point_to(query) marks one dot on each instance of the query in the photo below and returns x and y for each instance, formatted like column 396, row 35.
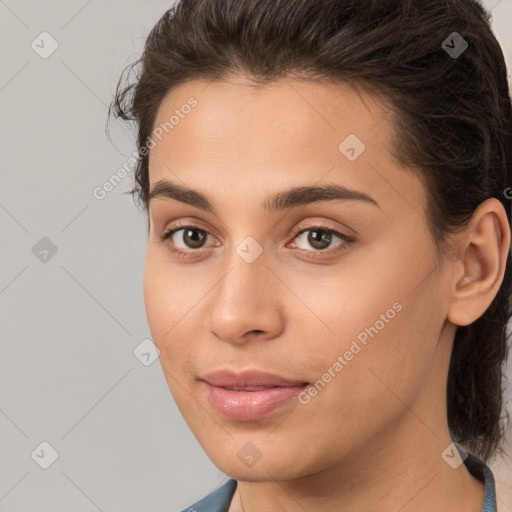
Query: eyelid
column 301, row 228
column 324, row 253
column 178, row 227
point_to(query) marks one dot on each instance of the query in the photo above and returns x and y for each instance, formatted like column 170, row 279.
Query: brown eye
column 191, row 237
column 320, row 238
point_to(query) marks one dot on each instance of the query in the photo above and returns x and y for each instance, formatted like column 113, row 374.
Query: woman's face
column 362, row 315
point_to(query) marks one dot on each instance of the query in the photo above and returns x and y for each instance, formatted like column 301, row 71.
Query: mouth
column 251, row 403
column 249, row 380
column 250, row 394
column 250, row 388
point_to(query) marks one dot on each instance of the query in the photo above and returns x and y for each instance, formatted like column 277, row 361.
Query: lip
column 251, row 377
column 250, row 405
column 245, row 405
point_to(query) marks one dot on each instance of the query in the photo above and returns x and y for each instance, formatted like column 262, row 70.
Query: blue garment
column 220, row 499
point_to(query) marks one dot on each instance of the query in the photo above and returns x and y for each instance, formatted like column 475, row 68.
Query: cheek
column 378, row 319
column 174, row 311
column 163, row 298
column 157, row 296
column 382, row 358
column 168, row 293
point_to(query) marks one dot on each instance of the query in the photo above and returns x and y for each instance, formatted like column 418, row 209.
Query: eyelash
column 301, row 229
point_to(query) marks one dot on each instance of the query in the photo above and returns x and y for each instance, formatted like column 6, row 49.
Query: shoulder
column 217, row 501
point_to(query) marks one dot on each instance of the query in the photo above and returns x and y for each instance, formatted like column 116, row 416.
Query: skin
column 375, row 434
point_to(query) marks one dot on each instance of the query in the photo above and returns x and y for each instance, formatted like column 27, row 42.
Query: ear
column 483, row 248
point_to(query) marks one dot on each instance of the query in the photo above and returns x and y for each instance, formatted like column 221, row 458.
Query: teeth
column 248, row 388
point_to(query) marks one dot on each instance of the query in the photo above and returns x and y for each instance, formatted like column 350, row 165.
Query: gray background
column 71, row 321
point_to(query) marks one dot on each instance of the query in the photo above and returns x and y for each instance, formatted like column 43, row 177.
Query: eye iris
column 318, row 237
column 196, row 240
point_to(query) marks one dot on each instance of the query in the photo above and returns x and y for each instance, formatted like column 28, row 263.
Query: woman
column 328, row 272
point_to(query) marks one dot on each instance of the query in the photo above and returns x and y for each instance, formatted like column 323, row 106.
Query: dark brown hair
column 451, row 115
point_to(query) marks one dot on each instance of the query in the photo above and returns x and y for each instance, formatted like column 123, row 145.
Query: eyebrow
column 286, row 199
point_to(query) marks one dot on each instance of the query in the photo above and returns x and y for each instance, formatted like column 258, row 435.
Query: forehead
column 283, row 132
column 282, row 114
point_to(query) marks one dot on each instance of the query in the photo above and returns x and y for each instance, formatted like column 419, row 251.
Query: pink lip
column 228, row 378
column 245, row 405
column 250, row 405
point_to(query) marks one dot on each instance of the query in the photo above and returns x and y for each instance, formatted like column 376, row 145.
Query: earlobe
column 460, row 311
column 459, row 316
column 486, row 243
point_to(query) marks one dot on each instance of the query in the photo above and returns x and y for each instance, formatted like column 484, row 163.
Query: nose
column 245, row 304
